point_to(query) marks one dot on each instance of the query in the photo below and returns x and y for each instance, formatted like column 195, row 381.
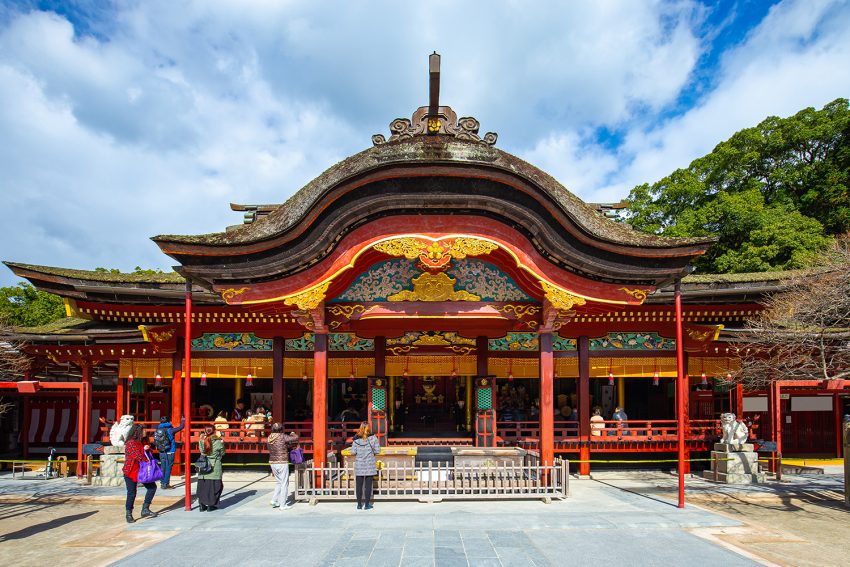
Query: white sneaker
column 274, row 504
column 287, row 506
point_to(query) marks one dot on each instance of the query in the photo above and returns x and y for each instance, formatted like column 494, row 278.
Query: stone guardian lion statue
column 734, row 432
column 120, row 430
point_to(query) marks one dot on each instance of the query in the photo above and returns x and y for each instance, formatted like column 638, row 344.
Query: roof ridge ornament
column 434, row 120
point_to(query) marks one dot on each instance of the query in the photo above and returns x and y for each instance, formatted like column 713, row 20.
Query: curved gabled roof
column 437, row 176
column 429, row 151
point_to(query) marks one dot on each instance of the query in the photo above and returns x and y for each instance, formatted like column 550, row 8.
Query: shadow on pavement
column 44, row 526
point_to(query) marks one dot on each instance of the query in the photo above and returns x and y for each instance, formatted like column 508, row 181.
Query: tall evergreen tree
column 773, row 194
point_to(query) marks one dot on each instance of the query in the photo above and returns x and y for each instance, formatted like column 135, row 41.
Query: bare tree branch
column 804, row 331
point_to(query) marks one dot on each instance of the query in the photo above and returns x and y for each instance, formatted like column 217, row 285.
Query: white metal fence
column 438, row 481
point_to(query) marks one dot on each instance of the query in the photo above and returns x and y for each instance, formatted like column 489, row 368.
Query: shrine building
column 448, row 291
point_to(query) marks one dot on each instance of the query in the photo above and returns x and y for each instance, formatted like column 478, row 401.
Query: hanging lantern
column 304, row 377
column 728, row 375
column 157, row 382
column 203, row 378
column 703, row 379
column 655, row 379
column 130, row 379
column 610, row 378
column 249, row 380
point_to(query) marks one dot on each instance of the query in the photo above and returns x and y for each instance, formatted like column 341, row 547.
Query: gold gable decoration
column 435, row 254
column 560, row 299
column 434, row 287
column 310, row 299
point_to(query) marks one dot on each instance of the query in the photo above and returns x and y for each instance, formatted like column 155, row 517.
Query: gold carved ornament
column 638, row 294
column 438, row 253
column 408, row 247
column 397, row 350
column 465, row 246
column 431, row 340
column 433, row 287
column 560, row 299
column 310, row 299
column 230, row 293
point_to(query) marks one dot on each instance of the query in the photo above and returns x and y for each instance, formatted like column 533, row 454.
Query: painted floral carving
column 486, row 281
column 515, row 341
column 632, row 341
column 231, row 342
column 381, row 281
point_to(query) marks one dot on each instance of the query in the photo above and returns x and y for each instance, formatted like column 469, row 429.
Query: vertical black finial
column 434, row 91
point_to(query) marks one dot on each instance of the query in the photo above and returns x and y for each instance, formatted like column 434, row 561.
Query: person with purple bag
column 135, row 454
column 279, row 447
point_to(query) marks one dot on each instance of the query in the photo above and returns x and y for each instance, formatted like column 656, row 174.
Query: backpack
column 161, row 440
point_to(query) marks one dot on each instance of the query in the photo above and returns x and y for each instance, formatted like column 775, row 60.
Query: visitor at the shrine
column 350, row 413
column 620, row 417
column 255, row 423
column 238, row 413
column 279, row 446
column 134, row 453
column 221, row 424
column 163, row 438
column 209, row 484
column 597, row 423
column 365, row 447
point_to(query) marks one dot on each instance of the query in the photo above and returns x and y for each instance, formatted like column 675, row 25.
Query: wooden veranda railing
column 248, row 437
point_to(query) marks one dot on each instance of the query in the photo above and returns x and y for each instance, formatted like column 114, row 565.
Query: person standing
column 209, row 484
column 163, row 438
column 279, row 445
column 134, row 453
column 365, row 447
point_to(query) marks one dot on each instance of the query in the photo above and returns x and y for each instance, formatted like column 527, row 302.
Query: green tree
column 773, row 194
column 23, row 305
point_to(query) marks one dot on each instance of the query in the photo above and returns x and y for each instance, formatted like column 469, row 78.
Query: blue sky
column 119, row 121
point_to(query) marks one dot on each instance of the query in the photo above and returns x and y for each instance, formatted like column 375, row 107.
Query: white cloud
column 173, row 110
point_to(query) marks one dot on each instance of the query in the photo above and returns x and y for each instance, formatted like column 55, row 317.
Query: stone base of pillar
column 734, row 464
column 111, row 465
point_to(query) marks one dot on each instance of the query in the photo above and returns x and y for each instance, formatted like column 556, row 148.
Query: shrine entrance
column 430, row 406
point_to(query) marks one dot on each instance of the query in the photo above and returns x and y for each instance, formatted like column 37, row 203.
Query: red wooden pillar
column 686, row 416
column 739, row 401
column 120, row 397
column 177, row 386
column 187, row 397
column 839, row 431
column 681, row 394
column 25, row 425
column 278, row 392
column 584, row 404
column 320, row 398
column 775, row 399
column 547, row 404
column 85, row 369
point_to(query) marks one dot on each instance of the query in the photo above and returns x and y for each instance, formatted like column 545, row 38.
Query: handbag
column 149, row 470
column 296, row 456
column 203, row 465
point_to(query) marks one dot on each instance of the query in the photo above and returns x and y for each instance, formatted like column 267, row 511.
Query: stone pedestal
column 111, row 463
column 734, row 463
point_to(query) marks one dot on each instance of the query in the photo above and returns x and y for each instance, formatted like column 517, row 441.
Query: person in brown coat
column 279, row 445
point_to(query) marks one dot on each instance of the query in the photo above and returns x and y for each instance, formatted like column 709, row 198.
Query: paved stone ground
column 598, row 525
column 627, row 518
